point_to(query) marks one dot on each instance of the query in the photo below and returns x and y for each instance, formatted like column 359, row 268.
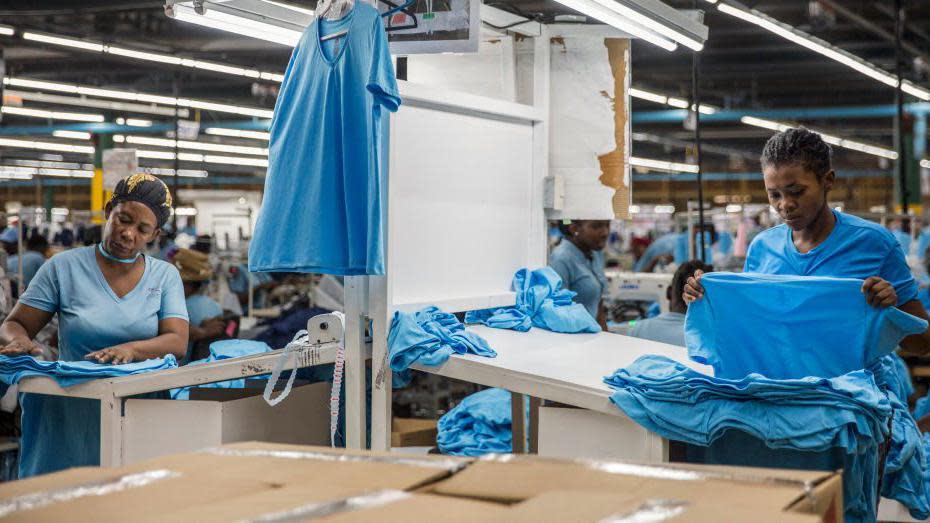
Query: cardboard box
column 162, row 427
column 519, row 478
column 250, row 480
column 409, row 432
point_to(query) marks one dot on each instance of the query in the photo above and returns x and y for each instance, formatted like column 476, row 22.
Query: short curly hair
column 798, row 147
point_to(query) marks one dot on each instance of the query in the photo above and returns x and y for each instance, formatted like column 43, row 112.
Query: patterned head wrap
column 145, row 189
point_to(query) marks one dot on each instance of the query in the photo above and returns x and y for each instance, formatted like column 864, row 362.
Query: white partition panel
column 464, row 213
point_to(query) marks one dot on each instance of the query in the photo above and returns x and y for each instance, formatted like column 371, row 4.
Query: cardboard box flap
column 75, row 476
column 514, row 479
column 306, row 465
column 596, row 507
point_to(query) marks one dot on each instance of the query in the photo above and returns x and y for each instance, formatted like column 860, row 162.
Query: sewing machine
column 639, row 286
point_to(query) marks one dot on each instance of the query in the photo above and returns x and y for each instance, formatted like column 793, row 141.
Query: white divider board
column 464, row 213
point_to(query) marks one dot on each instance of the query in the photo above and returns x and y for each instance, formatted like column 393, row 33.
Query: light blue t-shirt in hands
column 786, row 327
column 856, row 248
column 322, row 208
column 60, row 432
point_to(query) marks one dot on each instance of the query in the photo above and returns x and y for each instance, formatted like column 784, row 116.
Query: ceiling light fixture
column 824, row 48
column 661, row 165
column 134, row 122
column 596, row 10
column 6, row 30
column 925, row 163
column 668, row 100
column 46, row 146
column 238, row 133
column 196, row 146
column 216, row 19
column 51, row 115
column 829, row 138
column 651, row 24
column 152, row 57
column 138, row 97
column 76, row 135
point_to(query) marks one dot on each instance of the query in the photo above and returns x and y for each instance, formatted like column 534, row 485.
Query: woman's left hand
column 879, row 293
column 117, row 355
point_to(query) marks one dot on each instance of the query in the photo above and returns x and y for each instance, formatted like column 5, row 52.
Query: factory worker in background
column 114, row 305
column 659, row 252
column 816, row 240
column 669, row 327
column 204, row 314
column 579, row 261
column 33, row 257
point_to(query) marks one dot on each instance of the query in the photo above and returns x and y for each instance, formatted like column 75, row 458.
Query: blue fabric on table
column 429, row 337
column 541, row 299
column 224, row 350
column 69, row 373
column 849, row 412
column 829, row 329
column 479, row 425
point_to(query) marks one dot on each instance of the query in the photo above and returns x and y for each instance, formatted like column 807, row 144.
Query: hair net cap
column 194, row 266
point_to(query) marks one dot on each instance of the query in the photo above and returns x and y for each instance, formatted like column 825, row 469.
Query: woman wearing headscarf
column 114, row 305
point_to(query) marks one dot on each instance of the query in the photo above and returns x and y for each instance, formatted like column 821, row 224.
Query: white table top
column 569, row 368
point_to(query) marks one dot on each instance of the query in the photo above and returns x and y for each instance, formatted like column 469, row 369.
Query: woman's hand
column 693, row 288
column 21, row 347
column 117, row 355
column 879, row 293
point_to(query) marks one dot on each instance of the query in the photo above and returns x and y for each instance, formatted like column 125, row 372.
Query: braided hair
column 798, row 147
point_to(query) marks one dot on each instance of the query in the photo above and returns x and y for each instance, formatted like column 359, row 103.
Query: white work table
column 564, row 368
column 112, row 392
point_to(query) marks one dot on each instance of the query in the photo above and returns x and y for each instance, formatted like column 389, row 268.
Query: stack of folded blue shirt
column 763, row 385
column 429, row 337
column 541, row 302
column 810, row 414
column 68, row 373
column 479, row 425
column 224, row 350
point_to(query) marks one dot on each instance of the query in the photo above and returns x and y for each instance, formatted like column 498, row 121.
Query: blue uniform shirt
column 32, row 260
column 61, row 432
column 322, row 207
column 579, row 274
column 667, row 244
column 856, row 248
column 668, row 328
column 200, row 308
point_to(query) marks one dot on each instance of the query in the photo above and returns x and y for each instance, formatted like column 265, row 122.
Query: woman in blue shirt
column 114, row 305
column 815, row 240
column 204, row 314
column 579, row 260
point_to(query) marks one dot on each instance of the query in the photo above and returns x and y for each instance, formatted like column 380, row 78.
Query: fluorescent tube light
column 214, row 19
column 829, row 138
column 68, row 42
column 46, row 146
column 238, row 133
column 196, row 146
column 661, row 165
column 76, row 135
column 51, row 115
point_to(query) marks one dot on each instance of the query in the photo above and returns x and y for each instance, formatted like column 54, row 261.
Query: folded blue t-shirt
column 790, row 326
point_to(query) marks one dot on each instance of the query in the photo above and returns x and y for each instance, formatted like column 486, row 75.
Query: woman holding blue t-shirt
column 114, row 305
column 815, row 240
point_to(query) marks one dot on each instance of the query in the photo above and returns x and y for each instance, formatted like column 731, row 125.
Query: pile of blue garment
column 480, row 424
column 223, row 350
column 809, row 414
column 429, row 337
column 823, row 378
column 68, row 373
column 541, row 302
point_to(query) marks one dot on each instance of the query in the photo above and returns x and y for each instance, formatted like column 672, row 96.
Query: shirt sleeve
column 173, row 304
column 381, row 80
column 44, row 291
column 896, row 271
column 752, row 253
column 562, row 268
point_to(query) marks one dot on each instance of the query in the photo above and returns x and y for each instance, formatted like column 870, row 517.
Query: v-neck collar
column 102, row 279
column 343, row 24
column 826, row 241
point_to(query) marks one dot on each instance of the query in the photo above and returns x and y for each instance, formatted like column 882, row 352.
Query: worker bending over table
column 114, row 305
column 816, row 240
column 579, row 261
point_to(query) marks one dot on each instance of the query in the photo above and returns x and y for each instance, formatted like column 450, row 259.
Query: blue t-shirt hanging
column 856, row 248
column 322, row 206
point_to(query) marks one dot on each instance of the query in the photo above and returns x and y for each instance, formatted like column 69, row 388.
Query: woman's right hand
column 21, row 347
column 693, row 288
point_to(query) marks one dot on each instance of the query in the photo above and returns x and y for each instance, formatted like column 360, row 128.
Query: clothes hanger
column 404, row 8
column 343, row 7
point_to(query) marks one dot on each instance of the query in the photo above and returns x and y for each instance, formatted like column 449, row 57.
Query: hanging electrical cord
column 901, row 163
column 696, row 101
